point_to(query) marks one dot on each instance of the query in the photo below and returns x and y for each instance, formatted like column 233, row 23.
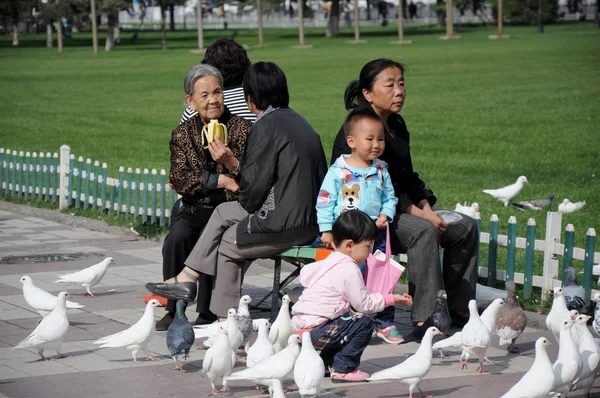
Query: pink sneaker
column 390, row 335
column 354, row 376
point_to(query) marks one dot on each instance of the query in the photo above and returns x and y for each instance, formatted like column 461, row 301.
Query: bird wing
column 84, row 276
column 39, row 299
column 51, row 328
column 452, row 341
column 207, row 362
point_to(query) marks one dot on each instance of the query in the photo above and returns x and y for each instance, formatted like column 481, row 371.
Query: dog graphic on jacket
column 350, row 197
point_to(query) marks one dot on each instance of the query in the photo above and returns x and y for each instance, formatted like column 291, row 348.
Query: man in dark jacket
column 280, row 178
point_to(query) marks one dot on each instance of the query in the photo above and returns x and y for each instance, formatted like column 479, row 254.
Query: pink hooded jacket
column 331, row 287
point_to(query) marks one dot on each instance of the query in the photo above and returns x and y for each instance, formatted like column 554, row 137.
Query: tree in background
column 333, row 22
column 111, row 8
column 13, row 12
column 525, row 12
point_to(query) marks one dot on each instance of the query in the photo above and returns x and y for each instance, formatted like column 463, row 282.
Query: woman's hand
column 327, row 239
column 404, row 299
column 435, row 219
column 227, row 183
column 220, row 153
column 381, row 221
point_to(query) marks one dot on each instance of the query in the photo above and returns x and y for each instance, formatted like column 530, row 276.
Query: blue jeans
column 384, row 318
column 343, row 340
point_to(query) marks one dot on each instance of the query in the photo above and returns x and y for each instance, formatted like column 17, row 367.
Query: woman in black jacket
column 280, row 178
column 419, row 229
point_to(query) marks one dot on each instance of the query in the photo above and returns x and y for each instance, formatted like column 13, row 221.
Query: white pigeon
column 569, row 207
column 282, row 326
column 475, row 338
column 590, row 356
column 276, row 367
column 539, row 379
column 219, row 360
column 136, row 337
column 309, row 369
column 414, row 368
column 276, row 389
column 558, row 313
column 50, row 332
column 568, row 363
column 88, row 277
column 486, row 294
column 233, row 331
column 257, row 322
column 470, row 211
column 508, row 193
column 40, row 300
column 262, row 347
column 488, row 317
column 596, row 323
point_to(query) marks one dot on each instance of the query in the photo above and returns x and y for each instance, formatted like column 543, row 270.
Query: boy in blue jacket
column 361, row 181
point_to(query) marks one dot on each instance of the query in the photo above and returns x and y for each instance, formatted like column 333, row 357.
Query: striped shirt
column 234, row 101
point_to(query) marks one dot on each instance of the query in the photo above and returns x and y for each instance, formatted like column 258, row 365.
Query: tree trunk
column 163, row 33
column 368, row 10
column 333, row 24
column 172, row 17
column 49, row 35
column 111, row 22
column 59, row 37
column 15, row 35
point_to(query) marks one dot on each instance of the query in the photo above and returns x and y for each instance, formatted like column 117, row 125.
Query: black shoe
column 458, row 320
column 164, row 323
column 417, row 334
column 185, row 291
column 205, row 319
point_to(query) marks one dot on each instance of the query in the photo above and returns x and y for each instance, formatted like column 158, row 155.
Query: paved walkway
column 47, row 244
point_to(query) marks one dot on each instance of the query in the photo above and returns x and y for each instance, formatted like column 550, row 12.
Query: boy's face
column 367, row 139
column 358, row 251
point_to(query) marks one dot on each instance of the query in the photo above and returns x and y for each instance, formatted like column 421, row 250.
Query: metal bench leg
column 275, row 291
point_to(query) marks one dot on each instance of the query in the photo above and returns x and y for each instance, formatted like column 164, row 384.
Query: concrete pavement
column 45, row 244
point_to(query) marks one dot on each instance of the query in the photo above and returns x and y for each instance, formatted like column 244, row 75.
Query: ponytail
column 352, row 94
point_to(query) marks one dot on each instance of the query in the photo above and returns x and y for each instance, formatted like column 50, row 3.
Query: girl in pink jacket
column 335, row 304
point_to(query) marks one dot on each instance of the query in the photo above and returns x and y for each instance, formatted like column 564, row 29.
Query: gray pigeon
column 536, row 204
column 440, row 318
column 180, row 335
column 511, row 320
column 573, row 292
column 244, row 321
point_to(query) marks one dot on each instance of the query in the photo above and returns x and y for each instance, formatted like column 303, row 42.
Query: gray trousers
column 421, row 241
column 216, row 253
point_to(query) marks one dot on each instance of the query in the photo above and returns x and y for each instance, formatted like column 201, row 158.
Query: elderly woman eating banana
column 203, row 171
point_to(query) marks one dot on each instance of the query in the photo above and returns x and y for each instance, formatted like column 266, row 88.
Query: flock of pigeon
column 279, row 354
column 509, row 192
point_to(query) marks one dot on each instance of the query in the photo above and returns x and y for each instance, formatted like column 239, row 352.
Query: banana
column 213, row 130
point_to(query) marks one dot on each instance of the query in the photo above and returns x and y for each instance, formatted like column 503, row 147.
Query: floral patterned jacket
column 192, row 165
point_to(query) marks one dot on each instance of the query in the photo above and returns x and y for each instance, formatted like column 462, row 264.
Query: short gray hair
column 198, row 72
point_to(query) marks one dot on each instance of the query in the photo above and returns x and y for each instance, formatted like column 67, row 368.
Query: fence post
column 55, row 174
column 529, row 252
column 20, row 168
column 153, row 198
column 95, row 184
column 163, row 196
column 65, row 154
column 120, row 192
column 136, row 194
column 568, row 255
column 88, row 179
column 128, row 193
column 550, row 269
column 14, row 173
column 1, row 167
column 144, row 192
column 40, row 170
column 493, row 250
column 103, row 187
column 27, row 170
column 588, row 263
column 47, row 176
column 511, row 247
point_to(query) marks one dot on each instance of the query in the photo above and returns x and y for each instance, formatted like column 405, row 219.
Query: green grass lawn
column 480, row 112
